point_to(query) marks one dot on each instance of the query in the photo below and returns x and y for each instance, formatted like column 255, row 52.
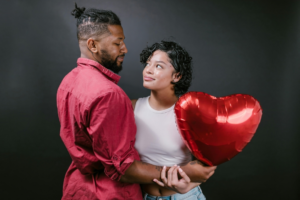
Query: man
column 97, row 121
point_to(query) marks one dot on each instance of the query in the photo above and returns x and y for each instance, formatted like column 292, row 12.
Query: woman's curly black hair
column 179, row 58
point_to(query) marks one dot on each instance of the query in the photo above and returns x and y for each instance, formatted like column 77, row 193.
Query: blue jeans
column 193, row 194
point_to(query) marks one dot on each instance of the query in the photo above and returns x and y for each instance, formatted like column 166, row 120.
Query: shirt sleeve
column 74, row 134
column 112, row 129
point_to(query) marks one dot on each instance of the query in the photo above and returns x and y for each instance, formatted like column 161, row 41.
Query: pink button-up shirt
column 98, row 130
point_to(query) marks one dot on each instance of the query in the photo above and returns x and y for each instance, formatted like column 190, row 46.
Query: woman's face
column 159, row 72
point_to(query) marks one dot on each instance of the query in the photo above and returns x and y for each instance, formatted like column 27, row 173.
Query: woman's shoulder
column 134, row 101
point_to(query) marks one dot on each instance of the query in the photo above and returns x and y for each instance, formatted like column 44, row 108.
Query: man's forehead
column 116, row 31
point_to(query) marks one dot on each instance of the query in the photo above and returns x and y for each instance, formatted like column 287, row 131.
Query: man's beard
column 109, row 63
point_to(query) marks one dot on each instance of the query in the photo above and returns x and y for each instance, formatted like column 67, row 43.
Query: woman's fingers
column 184, row 175
column 163, row 175
column 158, row 182
column 175, row 176
column 169, row 182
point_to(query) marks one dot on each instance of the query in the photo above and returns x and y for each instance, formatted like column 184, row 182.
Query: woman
column 168, row 75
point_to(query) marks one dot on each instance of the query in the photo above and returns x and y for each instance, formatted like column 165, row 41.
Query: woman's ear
column 91, row 44
column 176, row 77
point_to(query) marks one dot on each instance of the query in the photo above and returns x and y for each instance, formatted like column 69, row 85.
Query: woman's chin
column 147, row 86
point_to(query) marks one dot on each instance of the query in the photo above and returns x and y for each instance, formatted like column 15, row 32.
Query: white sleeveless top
column 157, row 139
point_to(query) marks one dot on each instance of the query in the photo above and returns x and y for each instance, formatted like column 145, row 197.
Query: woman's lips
column 146, row 78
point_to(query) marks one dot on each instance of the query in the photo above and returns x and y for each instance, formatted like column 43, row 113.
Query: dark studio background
column 237, row 46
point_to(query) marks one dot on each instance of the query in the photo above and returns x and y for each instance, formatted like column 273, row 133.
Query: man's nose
column 124, row 49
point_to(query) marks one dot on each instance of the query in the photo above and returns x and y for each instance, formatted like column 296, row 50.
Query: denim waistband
column 174, row 196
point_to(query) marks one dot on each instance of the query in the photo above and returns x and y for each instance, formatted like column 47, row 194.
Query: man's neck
column 85, row 53
column 82, row 55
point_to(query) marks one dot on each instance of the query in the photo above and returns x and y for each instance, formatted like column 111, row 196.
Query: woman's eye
column 147, row 64
column 158, row 66
column 117, row 44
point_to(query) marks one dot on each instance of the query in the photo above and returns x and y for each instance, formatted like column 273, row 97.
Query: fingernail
column 179, row 169
column 164, row 167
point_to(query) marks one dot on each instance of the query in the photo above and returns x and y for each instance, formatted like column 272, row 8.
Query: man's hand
column 171, row 182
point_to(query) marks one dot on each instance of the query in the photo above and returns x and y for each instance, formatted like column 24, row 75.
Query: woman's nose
column 149, row 69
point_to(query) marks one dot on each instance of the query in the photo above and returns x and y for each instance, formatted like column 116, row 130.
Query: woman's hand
column 171, row 182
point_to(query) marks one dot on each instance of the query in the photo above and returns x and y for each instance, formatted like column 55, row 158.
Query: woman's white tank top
column 157, row 139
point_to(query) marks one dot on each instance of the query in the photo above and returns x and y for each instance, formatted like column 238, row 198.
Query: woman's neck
column 162, row 100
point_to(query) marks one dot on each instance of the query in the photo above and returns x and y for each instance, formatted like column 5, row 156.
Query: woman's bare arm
column 197, row 172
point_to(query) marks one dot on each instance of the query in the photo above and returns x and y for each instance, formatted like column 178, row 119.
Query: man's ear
column 91, row 44
column 176, row 77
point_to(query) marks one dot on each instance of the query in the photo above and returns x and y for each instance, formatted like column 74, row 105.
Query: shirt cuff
column 119, row 166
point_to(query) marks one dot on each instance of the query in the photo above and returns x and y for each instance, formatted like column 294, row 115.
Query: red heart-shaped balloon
column 217, row 129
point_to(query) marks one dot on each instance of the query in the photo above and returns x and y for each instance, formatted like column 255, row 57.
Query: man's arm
column 142, row 173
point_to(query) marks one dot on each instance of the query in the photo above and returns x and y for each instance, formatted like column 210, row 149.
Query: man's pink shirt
column 98, row 130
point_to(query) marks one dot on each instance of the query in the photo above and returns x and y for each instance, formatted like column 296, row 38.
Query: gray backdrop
column 237, row 46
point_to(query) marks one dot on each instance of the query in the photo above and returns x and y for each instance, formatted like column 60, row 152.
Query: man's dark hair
column 93, row 22
column 179, row 58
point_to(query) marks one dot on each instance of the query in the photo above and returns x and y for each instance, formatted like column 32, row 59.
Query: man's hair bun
column 77, row 12
column 93, row 22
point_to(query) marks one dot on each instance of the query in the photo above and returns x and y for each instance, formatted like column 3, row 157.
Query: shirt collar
column 111, row 75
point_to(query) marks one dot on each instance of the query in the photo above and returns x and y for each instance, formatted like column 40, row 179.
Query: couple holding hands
column 124, row 149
